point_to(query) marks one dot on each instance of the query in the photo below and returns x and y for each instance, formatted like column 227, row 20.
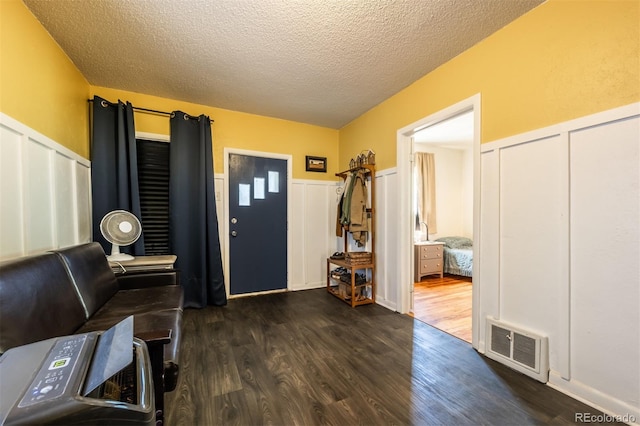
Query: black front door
column 257, row 224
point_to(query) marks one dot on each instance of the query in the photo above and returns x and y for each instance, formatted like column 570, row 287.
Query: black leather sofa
column 74, row 290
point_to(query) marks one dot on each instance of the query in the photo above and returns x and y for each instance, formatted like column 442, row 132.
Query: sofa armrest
column 132, row 280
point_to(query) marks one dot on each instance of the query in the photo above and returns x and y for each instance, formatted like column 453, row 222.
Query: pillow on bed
column 456, row 242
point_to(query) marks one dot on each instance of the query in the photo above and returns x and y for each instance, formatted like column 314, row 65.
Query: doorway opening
column 435, row 287
column 443, row 239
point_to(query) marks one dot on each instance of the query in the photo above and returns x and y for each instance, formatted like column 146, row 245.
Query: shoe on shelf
column 337, row 273
column 337, row 255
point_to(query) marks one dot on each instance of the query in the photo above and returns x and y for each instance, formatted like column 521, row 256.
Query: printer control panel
column 53, row 377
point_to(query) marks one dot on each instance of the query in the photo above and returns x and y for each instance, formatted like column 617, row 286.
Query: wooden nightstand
column 428, row 259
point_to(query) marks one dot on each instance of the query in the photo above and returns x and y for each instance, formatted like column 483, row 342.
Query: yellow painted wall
column 39, row 85
column 562, row 60
column 232, row 129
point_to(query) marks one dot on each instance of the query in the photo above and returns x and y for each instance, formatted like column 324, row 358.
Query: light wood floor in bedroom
column 444, row 303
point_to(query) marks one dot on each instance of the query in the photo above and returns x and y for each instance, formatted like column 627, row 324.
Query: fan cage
column 110, row 226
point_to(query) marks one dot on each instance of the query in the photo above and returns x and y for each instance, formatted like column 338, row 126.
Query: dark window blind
column 153, row 181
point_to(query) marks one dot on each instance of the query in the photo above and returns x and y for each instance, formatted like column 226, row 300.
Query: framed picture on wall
column 316, row 164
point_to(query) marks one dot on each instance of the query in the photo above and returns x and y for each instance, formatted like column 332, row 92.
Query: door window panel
column 244, row 194
column 258, row 188
column 274, row 182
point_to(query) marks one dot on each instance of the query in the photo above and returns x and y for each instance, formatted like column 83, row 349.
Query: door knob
column 234, row 233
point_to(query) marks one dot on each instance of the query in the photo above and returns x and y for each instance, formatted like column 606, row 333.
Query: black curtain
column 193, row 220
column 114, row 167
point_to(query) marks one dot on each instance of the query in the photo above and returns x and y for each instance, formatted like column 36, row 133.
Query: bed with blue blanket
column 458, row 255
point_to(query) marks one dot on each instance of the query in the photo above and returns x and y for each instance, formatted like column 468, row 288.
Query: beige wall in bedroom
column 453, row 213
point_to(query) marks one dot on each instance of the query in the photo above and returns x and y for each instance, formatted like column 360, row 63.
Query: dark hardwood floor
column 444, row 303
column 306, row 358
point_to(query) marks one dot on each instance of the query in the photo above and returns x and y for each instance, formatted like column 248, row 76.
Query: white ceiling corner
column 322, row 62
column 453, row 133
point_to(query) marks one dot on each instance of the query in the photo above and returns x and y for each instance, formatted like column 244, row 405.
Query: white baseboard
column 308, row 286
column 387, row 304
column 618, row 410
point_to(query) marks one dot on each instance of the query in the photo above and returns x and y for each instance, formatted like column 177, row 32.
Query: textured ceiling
column 321, row 62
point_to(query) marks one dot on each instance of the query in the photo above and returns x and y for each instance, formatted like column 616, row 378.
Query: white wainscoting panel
column 297, row 279
column 12, row 241
column 382, row 293
column 317, row 231
column 605, row 259
column 83, row 201
column 533, row 221
column 560, row 244
column 39, row 207
column 45, row 193
column 65, row 201
column 312, row 227
column 489, row 292
column 386, row 239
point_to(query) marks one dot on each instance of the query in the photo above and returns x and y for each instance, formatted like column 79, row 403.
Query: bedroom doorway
column 443, row 207
column 444, row 299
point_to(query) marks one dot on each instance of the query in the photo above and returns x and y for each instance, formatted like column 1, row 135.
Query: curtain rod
column 152, row 111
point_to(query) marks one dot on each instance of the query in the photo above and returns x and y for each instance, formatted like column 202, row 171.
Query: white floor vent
column 519, row 349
